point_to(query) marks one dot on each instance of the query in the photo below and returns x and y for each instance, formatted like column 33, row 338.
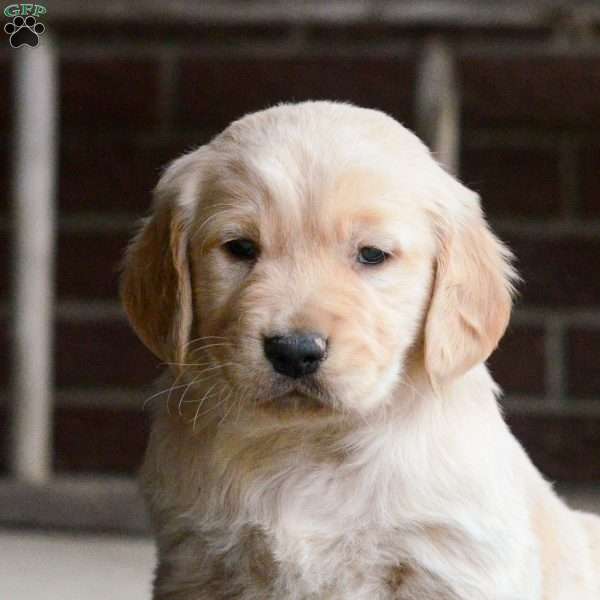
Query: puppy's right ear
column 156, row 288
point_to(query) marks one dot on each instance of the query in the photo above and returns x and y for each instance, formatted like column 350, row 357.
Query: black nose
column 297, row 354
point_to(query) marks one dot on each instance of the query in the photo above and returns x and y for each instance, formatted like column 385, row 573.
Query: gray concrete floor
column 57, row 566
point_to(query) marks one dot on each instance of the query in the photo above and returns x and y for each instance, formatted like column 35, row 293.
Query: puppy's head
column 308, row 255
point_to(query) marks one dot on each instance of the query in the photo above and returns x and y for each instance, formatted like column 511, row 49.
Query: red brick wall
column 132, row 99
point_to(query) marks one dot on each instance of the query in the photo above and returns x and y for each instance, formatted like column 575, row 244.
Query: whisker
column 188, row 364
column 205, row 413
column 191, row 353
column 242, row 398
column 181, row 399
column 175, row 386
column 212, row 366
column 193, row 382
column 202, row 338
column 200, row 405
column 229, row 409
column 211, row 345
column 197, row 379
column 170, row 388
column 198, row 415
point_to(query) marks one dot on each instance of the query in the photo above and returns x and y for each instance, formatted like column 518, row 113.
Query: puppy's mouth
column 305, row 394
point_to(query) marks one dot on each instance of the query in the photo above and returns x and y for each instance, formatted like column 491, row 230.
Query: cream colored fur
column 390, row 474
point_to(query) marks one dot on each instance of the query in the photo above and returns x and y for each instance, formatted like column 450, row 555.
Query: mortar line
column 167, row 83
column 568, row 171
column 554, row 358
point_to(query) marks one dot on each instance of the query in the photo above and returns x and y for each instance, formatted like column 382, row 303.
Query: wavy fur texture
column 389, row 474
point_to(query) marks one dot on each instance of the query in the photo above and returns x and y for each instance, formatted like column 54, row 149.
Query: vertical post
column 34, row 247
column 438, row 103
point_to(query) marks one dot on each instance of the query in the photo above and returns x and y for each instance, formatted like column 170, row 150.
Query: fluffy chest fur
column 276, row 515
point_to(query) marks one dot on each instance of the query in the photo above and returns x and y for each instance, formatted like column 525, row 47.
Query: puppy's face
column 316, row 280
column 292, row 262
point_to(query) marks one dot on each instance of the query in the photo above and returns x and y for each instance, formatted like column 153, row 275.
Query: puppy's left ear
column 472, row 292
column 156, row 288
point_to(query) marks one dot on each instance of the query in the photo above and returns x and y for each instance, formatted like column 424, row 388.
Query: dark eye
column 369, row 255
column 242, row 248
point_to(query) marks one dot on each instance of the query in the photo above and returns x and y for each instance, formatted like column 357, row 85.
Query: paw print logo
column 24, row 31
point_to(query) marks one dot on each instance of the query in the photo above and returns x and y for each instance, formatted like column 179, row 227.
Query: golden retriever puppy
column 326, row 296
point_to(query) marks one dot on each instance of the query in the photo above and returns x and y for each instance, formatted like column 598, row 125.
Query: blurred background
column 508, row 91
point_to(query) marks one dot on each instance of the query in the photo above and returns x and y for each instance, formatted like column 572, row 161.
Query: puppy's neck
column 207, row 407
column 246, row 465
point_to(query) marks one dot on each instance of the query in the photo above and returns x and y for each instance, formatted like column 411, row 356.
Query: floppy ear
column 156, row 288
column 472, row 296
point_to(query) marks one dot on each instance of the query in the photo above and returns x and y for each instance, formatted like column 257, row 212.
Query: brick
column 77, row 30
column 559, row 273
column 5, row 352
column 373, row 32
column 5, row 254
column 91, row 440
column 514, row 182
column 583, row 362
column 518, row 363
column 112, row 173
column 541, row 91
column 6, row 94
column 4, row 440
column 110, row 440
column 88, row 264
column 590, row 181
column 102, row 354
column 561, row 446
column 99, row 440
column 209, row 89
column 109, row 94
column 5, row 183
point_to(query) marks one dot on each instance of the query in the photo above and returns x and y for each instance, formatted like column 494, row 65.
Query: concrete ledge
column 89, row 503
column 441, row 13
